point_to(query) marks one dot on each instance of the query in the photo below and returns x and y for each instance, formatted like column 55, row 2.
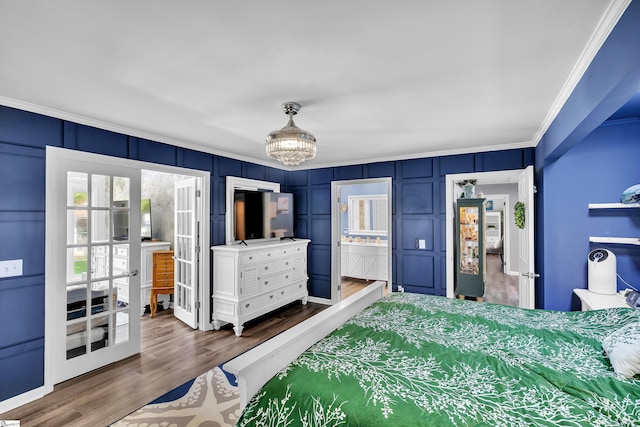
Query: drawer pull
column 266, row 283
column 270, row 296
column 247, row 305
column 281, row 292
column 250, row 258
column 286, row 263
column 286, row 277
column 266, row 267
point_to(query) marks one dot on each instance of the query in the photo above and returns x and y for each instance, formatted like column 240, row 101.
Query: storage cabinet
column 470, row 251
column 364, row 260
column 249, row 281
column 163, row 278
column 146, row 271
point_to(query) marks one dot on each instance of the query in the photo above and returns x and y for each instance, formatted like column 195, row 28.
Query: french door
column 186, row 251
column 93, row 252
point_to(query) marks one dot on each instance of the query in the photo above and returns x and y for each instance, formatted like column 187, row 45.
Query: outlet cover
column 11, row 268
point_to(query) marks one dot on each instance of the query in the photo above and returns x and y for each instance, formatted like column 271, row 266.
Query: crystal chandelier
column 291, row 145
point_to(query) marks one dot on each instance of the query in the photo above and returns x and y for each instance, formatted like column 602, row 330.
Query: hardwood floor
column 350, row 286
column 500, row 288
column 172, row 353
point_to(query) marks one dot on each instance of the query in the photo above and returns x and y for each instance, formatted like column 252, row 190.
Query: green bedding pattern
column 412, row 360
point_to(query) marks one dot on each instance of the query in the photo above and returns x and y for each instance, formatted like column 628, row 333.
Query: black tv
column 262, row 215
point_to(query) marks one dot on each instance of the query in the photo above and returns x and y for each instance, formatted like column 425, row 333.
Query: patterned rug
column 210, row 400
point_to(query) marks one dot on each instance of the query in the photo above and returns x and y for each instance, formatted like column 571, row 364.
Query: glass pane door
column 93, row 250
column 186, row 235
column 97, row 262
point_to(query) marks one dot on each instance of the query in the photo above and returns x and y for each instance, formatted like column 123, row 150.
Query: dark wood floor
column 172, row 353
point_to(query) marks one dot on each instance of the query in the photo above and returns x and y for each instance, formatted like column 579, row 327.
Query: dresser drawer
column 276, row 280
column 275, row 266
column 271, row 254
column 120, row 264
column 296, row 290
column 256, row 304
column 248, row 259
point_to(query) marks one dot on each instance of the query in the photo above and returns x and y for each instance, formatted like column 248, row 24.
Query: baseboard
column 24, row 398
column 318, row 300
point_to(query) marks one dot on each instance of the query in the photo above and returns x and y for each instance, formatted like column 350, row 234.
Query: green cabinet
column 470, row 248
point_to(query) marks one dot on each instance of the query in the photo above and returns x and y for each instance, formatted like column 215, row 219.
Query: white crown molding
column 609, row 20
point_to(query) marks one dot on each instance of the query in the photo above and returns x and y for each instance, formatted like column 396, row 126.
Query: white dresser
column 252, row 280
column 363, row 260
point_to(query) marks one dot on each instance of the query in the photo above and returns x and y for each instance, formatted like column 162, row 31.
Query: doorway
column 93, row 218
column 361, row 234
column 519, row 185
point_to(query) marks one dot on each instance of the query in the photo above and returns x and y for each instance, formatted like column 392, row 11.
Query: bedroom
column 565, row 189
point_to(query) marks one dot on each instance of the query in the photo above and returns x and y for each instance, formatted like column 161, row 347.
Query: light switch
column 10, row 268
column 422, row 244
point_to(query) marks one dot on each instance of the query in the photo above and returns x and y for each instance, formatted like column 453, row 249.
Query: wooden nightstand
column 162, row 277
column 593, row 301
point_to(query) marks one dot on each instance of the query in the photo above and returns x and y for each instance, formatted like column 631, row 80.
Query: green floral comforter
column 412, row 360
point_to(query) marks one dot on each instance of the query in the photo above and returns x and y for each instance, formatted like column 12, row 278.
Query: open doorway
column 361, row 235
column 517, row 266
column 93, row 217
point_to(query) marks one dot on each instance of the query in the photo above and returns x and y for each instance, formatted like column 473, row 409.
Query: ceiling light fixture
column 291, row 145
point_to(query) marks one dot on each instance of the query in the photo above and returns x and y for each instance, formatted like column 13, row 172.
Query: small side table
column 593, row 301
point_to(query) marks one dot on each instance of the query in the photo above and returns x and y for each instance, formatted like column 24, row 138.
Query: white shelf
column 613, row 205
column 620, row 240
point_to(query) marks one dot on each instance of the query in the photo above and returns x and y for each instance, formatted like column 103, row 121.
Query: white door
column 93, row 249
column 526, row 268
column 186, row 250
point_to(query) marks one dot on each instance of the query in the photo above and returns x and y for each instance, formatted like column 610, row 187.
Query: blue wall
column 418, row 208
column 580, row 160
column 597, row 170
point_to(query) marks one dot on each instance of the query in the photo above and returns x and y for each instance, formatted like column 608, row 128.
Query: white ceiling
column 376, row 79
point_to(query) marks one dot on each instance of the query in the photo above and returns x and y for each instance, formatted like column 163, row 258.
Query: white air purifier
column 602, row 272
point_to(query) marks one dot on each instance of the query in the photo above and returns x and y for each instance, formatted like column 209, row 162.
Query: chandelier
column 291, row 145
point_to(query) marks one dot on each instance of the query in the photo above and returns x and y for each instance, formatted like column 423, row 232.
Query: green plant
column 518, row 212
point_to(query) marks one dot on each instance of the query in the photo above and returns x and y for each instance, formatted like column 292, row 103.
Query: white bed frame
column 258, row 365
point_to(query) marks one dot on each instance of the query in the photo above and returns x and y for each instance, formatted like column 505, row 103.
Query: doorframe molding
column 54, row 154
column 335, row 231
column 487, row 178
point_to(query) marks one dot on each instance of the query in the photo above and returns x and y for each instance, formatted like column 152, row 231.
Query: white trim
column 24, row 398
column 608, row 21
column 486, row 178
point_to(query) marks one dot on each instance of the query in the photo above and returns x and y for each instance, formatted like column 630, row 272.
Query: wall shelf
column 619, row 240
column 613, row 205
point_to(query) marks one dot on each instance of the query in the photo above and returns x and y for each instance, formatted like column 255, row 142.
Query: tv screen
column 262, row 215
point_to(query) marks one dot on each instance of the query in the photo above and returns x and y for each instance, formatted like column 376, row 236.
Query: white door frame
column 506, row 232
column 484, row 178
column 53, row 153
column 336, row 232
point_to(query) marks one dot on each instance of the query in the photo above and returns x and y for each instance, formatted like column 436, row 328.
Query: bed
column 409, row 360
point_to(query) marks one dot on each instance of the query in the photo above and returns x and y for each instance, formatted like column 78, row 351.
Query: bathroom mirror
column 368, row 215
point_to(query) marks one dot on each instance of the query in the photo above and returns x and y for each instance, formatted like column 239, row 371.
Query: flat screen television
column 262, row 215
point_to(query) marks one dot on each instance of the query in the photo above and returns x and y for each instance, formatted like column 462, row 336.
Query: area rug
column 209, row 400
